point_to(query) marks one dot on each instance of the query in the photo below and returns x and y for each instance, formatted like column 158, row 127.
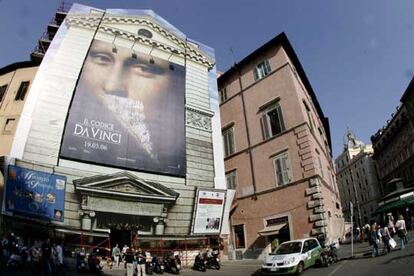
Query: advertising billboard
column 128, row 112
column 209, row 211
column 35, row 193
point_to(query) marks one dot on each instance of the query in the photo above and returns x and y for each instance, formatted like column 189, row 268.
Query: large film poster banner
column 35, row 194
column 209, row 212
column 128, row 112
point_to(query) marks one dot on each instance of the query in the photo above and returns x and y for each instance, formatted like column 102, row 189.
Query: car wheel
column 300, row 268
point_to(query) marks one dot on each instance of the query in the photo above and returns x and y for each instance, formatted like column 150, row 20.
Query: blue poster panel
column 35, row 194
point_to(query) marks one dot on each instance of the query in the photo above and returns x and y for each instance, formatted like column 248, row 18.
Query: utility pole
column 351, row 208
column 359, row 219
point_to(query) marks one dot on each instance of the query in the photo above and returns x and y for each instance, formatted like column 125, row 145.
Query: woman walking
column 374, row 239
column 401, row 231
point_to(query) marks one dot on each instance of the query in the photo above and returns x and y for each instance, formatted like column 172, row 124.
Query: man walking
column 59, row 259
column 140, row 262
column 116, row 252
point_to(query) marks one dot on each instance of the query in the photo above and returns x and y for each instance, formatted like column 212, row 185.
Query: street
column 398, row 262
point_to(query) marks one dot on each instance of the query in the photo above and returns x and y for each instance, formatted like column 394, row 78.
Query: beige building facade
column 357, row 180
column 15, row 82
column 277, row 153
column 102, row 200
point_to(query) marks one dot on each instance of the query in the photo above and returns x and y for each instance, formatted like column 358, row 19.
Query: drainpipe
column 254, row 197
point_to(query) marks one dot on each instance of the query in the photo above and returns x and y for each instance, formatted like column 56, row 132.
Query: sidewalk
column 364, row 249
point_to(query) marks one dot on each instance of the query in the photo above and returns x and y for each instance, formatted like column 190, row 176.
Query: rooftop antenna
column 232, row 55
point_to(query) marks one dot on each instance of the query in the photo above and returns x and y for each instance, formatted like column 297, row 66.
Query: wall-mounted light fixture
column 134, row 55
column 151, row 60
column 114, row 49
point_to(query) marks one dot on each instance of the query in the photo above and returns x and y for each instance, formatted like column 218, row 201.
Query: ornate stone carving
column 126, row 188
column 198, row 120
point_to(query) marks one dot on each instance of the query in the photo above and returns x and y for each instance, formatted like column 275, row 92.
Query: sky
column 358, row 55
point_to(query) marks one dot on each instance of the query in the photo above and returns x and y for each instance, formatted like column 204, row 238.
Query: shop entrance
column 120, row 237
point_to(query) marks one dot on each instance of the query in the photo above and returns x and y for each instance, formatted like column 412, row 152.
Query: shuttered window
column 21, row 93
column 282, row 169
column 2, row 92
column 261, row 70
column 231, row 180
column 228, row 141
column 271, row 122
column 223, row 94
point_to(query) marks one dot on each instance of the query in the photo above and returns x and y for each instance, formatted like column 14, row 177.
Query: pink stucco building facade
column 277, row 153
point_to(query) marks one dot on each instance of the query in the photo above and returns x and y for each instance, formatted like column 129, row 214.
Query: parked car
column 293, row 257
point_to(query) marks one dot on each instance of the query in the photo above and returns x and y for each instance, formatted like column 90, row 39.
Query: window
column 313, row 244
column 239, row 236
column 306, row 247
column 21, row 93
column 320, row 167
column 272, row 122
column 309, row 115
column 228, row 141
column 2, row 91
column 223, row 94
column 261, row 70
column 282, row 169
column 9, row 126
column 231, row 180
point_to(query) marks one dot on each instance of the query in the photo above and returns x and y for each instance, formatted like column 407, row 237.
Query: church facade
column 134, row 178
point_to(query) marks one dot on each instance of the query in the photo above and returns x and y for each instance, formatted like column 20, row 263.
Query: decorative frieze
column 198, row 119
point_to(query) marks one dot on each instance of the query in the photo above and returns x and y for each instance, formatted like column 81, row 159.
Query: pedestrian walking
column 401, row 231
column 412, row 222
column 124, row 251
column 140, row 262
column 116, row 253
column 374, row 240
column 129, row 262
column 386, row 236
column 390, row 224
column 59, row 259
column 35, row 259
column 46, row 257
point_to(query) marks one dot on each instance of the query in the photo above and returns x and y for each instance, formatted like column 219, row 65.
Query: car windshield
column 289, row 248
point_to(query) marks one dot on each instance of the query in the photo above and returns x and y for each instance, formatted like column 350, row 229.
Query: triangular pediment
column 124, row 184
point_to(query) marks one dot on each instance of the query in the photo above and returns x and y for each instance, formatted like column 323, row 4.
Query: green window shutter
column 286, row 169
column 282, row 123
column 267, row 67
column 279, row 174
column 256, row 76
column 265, row 127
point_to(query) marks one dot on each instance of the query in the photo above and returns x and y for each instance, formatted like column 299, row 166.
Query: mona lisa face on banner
column 127, row 111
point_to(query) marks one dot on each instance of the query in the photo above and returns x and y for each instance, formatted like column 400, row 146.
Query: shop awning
column 395, row 205
column 271, row 230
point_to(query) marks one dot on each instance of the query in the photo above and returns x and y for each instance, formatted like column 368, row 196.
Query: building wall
column 9, row 107
column 38, row 137
column 358, row 182
column 394, row 151
column 257, row 187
